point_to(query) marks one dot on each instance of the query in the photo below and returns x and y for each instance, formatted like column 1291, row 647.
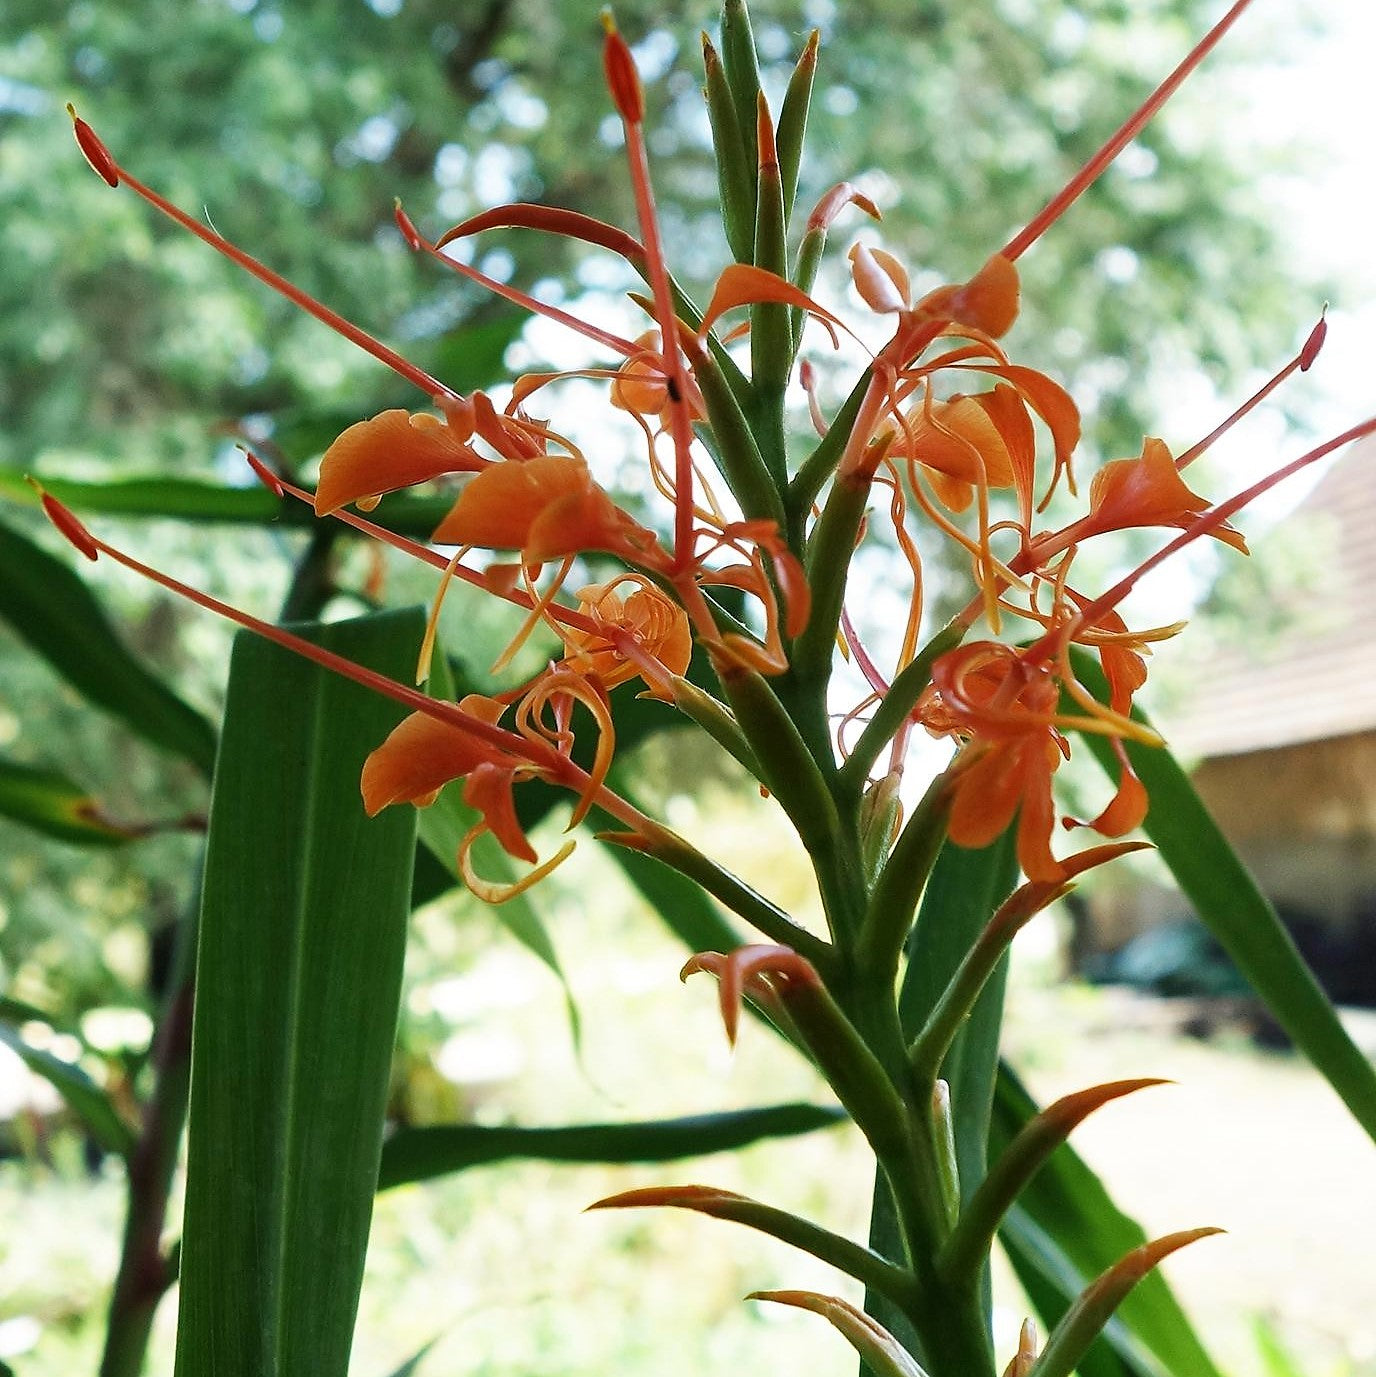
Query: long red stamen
column 1301, row 363
column 617, row 59
column 510, row 742
column 626, row 348
column 1094, row 168
column 103, row 161
column 1208, row 522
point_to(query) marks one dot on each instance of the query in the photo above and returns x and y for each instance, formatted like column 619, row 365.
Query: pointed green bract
column 299, row 974
column 1066, row 1230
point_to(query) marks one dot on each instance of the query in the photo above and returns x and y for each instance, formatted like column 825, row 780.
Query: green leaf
column 50, row 803
column 417, row 1154
column 303, row 931
column 82, row 1095
column 1064, row 1232
column 189, row 499
column 53, row 610
column 1227, row 900
column 965, row 888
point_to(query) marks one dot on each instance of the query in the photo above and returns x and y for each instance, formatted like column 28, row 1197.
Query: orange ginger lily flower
column 547, row 507
column 1004, row 708
column 660, row 641
column 1146, row 491
column 962, row 444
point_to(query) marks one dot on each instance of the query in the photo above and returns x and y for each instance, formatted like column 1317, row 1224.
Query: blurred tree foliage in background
column 126, row 347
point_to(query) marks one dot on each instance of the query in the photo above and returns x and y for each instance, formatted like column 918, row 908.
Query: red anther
column 623, row 81
column 66, row 521
column 100, row 157
column 265, row 475
column 1315, row 342
column 408, row 229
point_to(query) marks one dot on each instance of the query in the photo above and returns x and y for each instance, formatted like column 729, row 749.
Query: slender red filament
column 1094, row 168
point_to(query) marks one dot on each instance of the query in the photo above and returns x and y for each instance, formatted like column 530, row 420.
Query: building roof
column 1315, row 683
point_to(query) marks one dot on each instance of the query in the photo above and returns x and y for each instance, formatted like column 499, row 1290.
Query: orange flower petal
column 988, row 301
column 499, row 505
column 986, row 794
column 488, row 789
column 742, row 284
column 421, row 756
column 394, row 449
column 1148, row 491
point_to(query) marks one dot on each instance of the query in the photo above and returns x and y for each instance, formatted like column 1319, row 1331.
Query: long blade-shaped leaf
column 51, row 609
column 417, row 1154
column 299, row 972
column 1064, row 1232
column 1231, row 906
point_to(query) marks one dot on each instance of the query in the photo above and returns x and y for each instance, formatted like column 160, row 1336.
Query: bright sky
column 1322, row 106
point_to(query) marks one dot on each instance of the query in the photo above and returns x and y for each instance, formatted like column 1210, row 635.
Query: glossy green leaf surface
column 1064, row 1232
column 417, row 1154
column 50, row 608
column 49, row 802
column 1228, row 902
column 303, row 931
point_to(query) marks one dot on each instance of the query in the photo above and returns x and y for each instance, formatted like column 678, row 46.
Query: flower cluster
column 940, row 455
column 728, row 602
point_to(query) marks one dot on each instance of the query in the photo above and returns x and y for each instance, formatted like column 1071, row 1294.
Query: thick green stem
column 735, row 442
column 830, row 551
